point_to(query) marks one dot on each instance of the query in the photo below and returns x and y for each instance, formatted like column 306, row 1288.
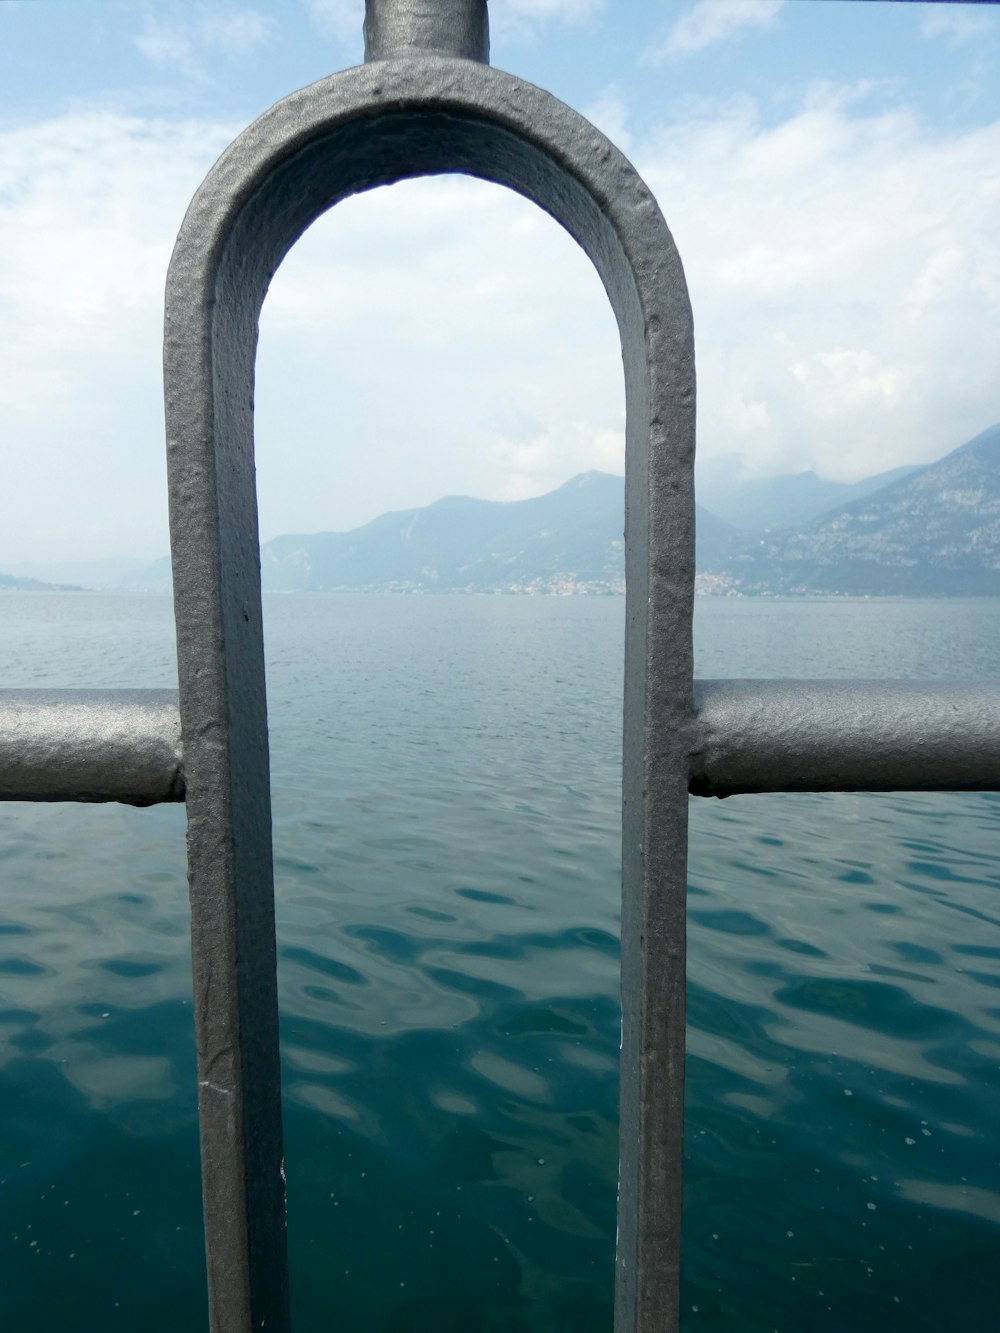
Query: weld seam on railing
column 845, row 735
column 90, row 745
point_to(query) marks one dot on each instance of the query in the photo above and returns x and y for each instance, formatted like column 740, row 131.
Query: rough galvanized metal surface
column 90, row 745
column 845, row 735
column 412, row 27
column 371, row 126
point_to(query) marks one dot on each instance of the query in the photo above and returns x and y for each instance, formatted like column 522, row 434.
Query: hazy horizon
column 825, row 169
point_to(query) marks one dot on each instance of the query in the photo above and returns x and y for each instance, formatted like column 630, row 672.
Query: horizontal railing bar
column 749, row 736
column 90, row 745
column 845, row 735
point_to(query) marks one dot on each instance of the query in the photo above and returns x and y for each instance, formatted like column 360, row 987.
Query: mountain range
column 932, row 530
column 929, row 530
column 761, row 504
column 19, row 583
column 570, row 540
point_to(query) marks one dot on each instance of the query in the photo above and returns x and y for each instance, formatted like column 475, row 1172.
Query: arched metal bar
column 371, row 126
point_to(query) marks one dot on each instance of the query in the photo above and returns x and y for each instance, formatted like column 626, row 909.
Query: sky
column 830, row 171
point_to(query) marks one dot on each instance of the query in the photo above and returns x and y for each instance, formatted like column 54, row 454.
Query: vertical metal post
column 659, row 554
column 213, row 518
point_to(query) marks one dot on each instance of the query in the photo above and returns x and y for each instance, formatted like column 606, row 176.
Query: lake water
column 446, row 792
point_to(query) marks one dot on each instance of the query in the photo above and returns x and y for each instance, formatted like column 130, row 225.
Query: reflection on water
column 446, row 798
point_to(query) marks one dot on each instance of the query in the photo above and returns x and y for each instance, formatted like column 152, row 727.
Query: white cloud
column 238, row 31
column 343, row 18
column 712, row 21
column 89, row 208
column 528, row 467
column 521, row 20
column 446, row 336
column 841, row 379
column 166, row 46
column 560, row 11
column 180, row 43
column 457, row 341
column 957, row 24
column 409, row 341
column 845, row 278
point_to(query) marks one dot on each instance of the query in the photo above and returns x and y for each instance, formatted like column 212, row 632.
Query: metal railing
column 426, row 101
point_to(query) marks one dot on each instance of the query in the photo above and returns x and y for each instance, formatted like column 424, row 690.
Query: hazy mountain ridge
column 933, row 531
column 570, row 540
column 566, row 540
column 18, row 583
column 763, row 504
column 107, row 573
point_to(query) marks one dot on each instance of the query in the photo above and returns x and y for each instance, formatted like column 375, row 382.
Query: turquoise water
column 446, row 802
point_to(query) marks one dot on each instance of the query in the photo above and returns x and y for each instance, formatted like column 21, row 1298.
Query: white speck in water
column 789, row 1234
column 909, row 1141
column 715, row 1235
column 871, row 1207
column 926, row 1133
column 136, row 1212
column 848, row 1092
column 541, row 1161
column 106, row 1015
